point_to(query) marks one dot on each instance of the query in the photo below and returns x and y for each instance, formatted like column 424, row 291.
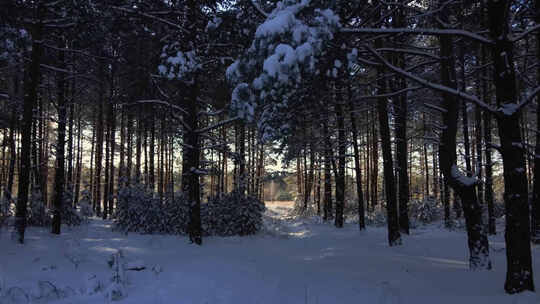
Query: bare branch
column 418, row 31
column 435, row 86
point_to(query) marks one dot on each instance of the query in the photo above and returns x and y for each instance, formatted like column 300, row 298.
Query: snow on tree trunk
column 464, row 186
column 519, row 275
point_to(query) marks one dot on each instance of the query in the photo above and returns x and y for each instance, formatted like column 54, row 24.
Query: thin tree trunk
column 151, row 168
column 426, row 166
column 327, row 204
column 358, row 169
column 99, row 155
column 401, row 155
column 79, row 161
column 340, row 176
column 112, row 139
column 59, row 179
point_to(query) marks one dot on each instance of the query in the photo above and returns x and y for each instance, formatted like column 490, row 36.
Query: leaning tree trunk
column 519, row 275
column 465, row 187
column 30, row 96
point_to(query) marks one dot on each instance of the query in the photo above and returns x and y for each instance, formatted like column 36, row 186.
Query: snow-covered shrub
column 175, row 214
column 350, row 207
column 300, row 210
column 37, row 213
column 498, row 209
column 15, row 295
column 70, row 216
column 424, row 211
column 93, row 284
column 68, row 212
column 283, row 195
column 232, row 214
column 140, row 211
column 137, row 210
column 376, row 217
column 5, row 212
column 85, row 205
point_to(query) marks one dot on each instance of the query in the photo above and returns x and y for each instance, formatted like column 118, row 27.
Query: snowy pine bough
column 286, row 50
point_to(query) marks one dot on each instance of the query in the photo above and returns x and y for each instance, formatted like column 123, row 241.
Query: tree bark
column 191, row 156
column 59, row 179
column 477, row 238
column 535, row 210
column 327, row 203
column 519, row 275
column 31, row 84
column 357, row 168
column 394, row 236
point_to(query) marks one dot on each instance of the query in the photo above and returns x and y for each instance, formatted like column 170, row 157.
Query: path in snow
column 293, row 261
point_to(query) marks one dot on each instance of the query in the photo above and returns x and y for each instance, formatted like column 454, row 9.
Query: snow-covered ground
column 293, row 261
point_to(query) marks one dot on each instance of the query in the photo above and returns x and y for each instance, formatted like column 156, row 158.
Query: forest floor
column 293, row 261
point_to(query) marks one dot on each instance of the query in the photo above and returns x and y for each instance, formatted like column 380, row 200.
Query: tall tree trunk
column 435, row 172
column 394, row 236
column 31, row 84
column 122, row 152
column 446, row 205
column 374, row 162
column 12, row 157
column 327, row 204
column 99, row 154
column 479, row 160
column 112, row 128
column 519, row 275
column 92, row 161
column 59, row 179
column 426, row 166
column 465, row 187
column 340, row 176
column 107, row 163
column 357, row 168
column 401, row 155
column 138, row 149
column 535, row 216
column 488, row 193
column 161, row 175
column 70, row 158
column 151, row 168
column 190, row 179
column 79, row 161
